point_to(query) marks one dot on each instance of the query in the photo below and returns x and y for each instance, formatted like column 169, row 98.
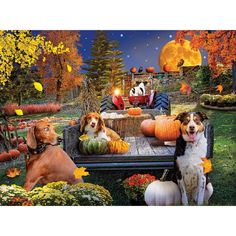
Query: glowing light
column 170, row 36
column 121, row 35
column 117, row 92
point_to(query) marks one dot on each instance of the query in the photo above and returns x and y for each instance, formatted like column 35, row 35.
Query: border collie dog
column 139, row 90
column 191, row 146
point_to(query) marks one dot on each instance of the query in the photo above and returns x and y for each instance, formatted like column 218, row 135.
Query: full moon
column 173, row 52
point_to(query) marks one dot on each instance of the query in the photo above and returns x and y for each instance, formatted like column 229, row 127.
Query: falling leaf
column 38, row 86
column 207, row 165
column 83, row 137
column 185, row 88
column 79, row 172
column 69, row 68
column 219, row 88
column 44, row 59
column 13, row 172
column 19, row 112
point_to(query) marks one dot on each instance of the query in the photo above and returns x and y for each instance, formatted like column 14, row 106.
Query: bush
column 219, row 100
column 13, row 195
column 204, row 74
column 46, row 196
column 136, row 185
column 91, row 195
column 9, row 109
column 205, row 98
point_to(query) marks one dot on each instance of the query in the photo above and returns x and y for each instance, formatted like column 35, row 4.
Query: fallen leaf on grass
column 19, row 112
column 38, row 86
column 219, row 88
column 185, row 88
column 13, row 172
column 207, row 165
column 79, row 172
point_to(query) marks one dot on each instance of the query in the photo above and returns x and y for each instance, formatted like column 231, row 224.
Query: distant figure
column 180, row 63
column 140, row 70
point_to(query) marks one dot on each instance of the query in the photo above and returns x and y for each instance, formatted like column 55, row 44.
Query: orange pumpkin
column 5, row 156
column 14, row 153
column 150, row 69
column 166, row 68
column 148, row 127
column 133, row 70
column 135, row 111
column 167, row 129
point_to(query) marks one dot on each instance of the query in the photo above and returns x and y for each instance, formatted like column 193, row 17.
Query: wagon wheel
column 161, row 102
column 107, row 104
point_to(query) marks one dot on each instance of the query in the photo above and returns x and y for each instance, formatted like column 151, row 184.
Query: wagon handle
column 165, row 172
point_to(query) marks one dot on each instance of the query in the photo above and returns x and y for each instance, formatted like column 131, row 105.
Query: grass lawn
column 224, row 162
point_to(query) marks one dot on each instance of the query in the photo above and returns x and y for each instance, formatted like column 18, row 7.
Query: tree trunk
column 58, row 92
column 19, row 99
column 234, row 76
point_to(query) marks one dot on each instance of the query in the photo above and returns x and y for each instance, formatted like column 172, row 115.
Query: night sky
column 141, row 48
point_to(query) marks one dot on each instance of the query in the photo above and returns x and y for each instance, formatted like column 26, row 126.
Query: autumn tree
column 61, row 71
column 220, row 45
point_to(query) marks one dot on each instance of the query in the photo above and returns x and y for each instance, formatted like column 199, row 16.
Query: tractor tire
column 161, row 102
column 107, row 104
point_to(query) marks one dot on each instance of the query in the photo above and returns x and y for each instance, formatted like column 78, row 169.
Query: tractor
column 151, row 100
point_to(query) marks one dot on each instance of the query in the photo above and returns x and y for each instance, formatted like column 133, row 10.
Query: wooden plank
column 143, row 146
column 158, row 150
column 132, row 148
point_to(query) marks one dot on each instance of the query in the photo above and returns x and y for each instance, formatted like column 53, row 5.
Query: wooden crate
column 127, row 126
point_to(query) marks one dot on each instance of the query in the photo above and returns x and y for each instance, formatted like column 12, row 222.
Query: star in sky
column 146, row 60
column 156, row 48
column 128, row 56
column 147, row 44
column 170, row 36
column 121, row 35
column 135, row 48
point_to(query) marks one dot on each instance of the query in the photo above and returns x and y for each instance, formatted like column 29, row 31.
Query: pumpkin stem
column 163, row 177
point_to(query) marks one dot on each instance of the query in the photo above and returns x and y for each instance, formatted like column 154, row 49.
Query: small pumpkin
column 147, row 127
column 93, row 146
column 133, row 70
column 162, row 193
column 166, row 128
column 118, row 146
column 135, row 111
column 14, row 153
column 166, row 68
column 23, row 148
column 150, row 69
column 72, row 122
column 5, row 156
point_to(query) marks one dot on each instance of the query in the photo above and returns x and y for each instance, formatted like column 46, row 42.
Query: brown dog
column 93, row 125
column 47, row 162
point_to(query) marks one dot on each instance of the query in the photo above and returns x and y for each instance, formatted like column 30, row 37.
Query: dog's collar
column 41, row 147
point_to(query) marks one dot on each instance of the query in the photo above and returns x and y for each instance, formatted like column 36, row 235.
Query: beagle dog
column 191, row 147
column 93, row 125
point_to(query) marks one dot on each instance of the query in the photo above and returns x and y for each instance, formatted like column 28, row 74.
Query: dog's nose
column 191, row 127
column 93, row 123
column 59, row 139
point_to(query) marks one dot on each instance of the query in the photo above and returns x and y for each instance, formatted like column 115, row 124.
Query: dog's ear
column 83, row 122
column 145, row 83
column 101, row 124
column 181, row 116
column 31, row 140
column 202, row 115
column 138, row 83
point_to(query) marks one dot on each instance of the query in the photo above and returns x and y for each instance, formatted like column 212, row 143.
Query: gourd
column 147, row 127
column 162, row 193
column 135, row 111
column 166, row 128
column 119, row 146
column 150, row 69
column 133, row 70
column 93, row 146
column 166, row 68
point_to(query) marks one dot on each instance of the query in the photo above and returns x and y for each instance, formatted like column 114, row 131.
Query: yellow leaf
column 19, row 112
column 83, row 137
column 69, row 68
column 38, row 86
column 207, row 165
column 13, row 172
column 219, row 88
column 79, row 172
column 44, row 59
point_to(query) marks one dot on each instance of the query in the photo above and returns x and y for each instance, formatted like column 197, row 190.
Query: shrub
column 229, row 99
column 136, row 185
column 91, row 195
column 205, row 98
column 13, row 195
column 9, row 109
column 46, row 196
column 204, row 74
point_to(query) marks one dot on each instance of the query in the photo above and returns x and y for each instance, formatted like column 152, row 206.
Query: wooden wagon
column 142, row 155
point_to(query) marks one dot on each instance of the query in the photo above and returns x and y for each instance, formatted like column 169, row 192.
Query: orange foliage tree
column 61, row 72
column 220, row 45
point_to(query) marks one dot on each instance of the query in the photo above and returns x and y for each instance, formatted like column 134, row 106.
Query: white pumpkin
column 162, row 193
